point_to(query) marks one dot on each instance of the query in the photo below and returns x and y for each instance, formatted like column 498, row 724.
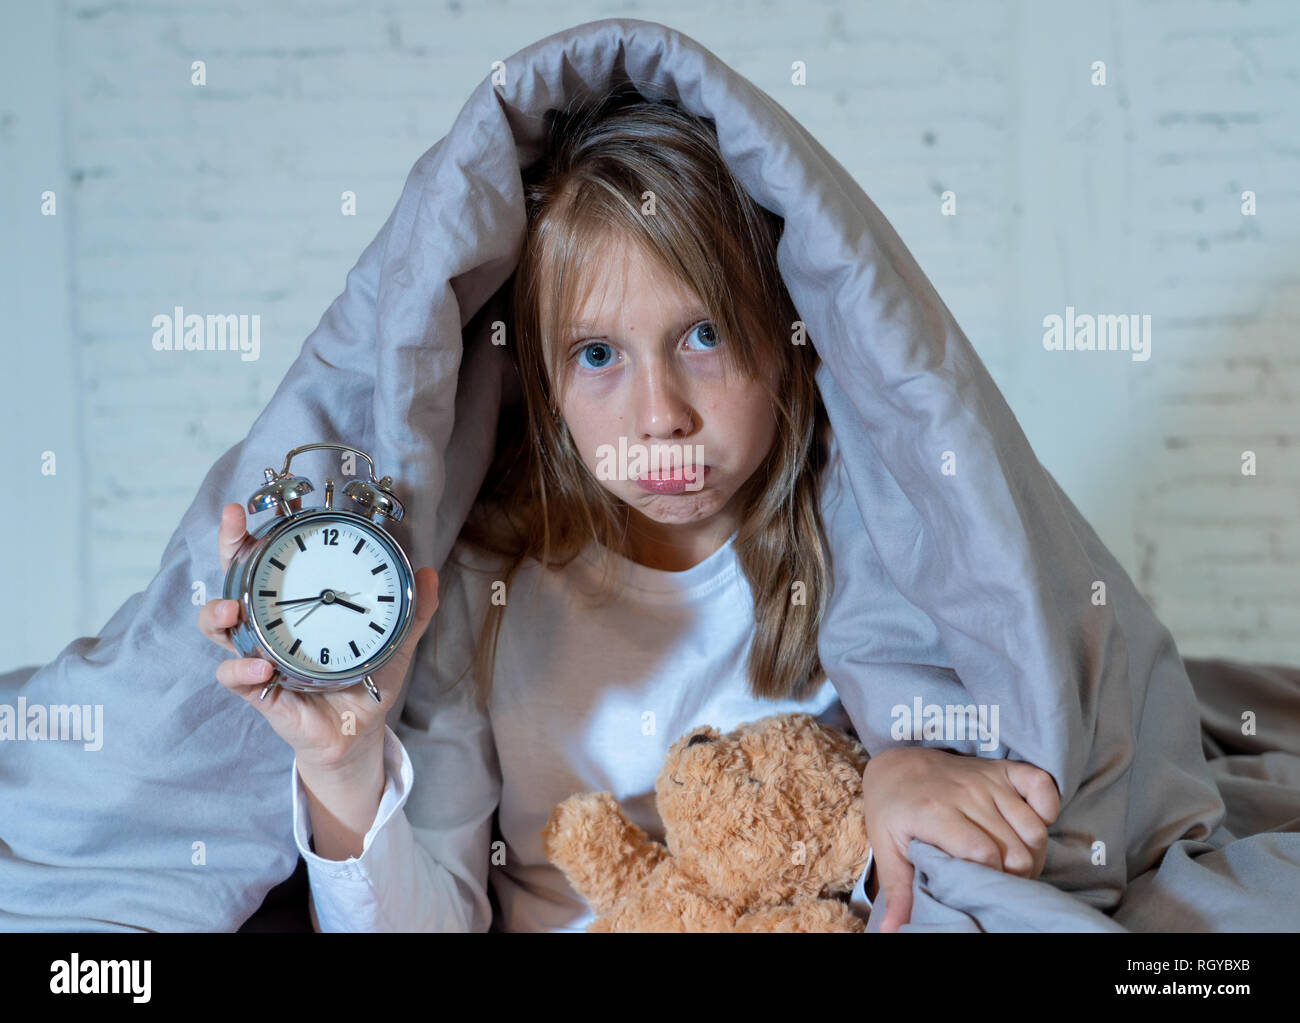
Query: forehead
column 618, row 274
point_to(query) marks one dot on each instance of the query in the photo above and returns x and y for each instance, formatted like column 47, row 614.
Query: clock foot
column 373, row 689
column 275, row 681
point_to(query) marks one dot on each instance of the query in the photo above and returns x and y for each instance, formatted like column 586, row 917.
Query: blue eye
column 604, row 355
column 708, row 334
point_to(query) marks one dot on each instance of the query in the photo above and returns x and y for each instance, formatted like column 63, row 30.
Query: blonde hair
column 539, row 499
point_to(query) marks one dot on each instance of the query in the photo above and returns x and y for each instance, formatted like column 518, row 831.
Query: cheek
column 588, row 434
column 594, row 404
column 753, row 411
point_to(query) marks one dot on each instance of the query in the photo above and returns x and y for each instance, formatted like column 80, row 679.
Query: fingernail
column 258, row 671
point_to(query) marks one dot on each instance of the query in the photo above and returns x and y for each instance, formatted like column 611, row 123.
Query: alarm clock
column 326, row 594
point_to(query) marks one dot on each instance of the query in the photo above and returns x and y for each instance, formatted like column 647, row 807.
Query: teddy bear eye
column 755, row 781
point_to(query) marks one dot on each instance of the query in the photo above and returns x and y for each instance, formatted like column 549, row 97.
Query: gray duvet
column 966, row 589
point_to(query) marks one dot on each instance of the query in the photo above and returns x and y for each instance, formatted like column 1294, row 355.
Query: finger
column 215, row 617
column 894, row 873
column 967, row 837
column 391, row 676
column 997, row 844
column 426, row 603
column 1029, row 826
column 231, row 533
column 241, row 674
column 1037, row 786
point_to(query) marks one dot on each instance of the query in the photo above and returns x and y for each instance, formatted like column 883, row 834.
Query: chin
column 678, row 508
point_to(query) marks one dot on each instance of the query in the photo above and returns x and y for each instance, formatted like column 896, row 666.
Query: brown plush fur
column 762, row 825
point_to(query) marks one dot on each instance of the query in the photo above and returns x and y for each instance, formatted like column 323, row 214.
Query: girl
column 626, row 573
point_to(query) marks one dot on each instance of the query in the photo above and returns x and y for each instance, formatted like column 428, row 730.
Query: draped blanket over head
column 963, row 576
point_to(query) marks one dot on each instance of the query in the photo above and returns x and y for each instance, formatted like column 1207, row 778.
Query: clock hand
column 351, row 607
column 320, row 602
column 301, row 600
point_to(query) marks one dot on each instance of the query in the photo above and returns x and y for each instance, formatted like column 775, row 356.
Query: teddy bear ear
column 701, row 733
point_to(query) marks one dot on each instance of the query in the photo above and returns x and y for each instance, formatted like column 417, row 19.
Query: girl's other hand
column 312, row 723
column 994, row 812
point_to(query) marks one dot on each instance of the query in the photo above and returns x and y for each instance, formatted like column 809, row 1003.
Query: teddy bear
column 763, row 828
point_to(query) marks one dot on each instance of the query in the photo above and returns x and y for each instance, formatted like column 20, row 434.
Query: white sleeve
column 858, row 901
column 424, row 862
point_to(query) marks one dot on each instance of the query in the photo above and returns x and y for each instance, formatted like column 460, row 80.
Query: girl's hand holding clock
column 331, row 732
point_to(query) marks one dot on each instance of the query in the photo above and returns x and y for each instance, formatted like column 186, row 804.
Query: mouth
column 674, row 481
column 677, row 472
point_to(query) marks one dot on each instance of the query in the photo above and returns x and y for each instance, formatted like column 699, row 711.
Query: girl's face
column 642, row 371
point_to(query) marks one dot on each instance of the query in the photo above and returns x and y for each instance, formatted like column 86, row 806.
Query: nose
column 663, row 409
column 702, row 737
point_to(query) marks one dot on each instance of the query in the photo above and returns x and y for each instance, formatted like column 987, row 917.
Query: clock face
column 329, row 595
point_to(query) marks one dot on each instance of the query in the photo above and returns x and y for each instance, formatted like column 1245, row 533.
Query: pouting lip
column 671, row 472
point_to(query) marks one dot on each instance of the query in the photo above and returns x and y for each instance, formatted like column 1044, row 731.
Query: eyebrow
column 581, row 330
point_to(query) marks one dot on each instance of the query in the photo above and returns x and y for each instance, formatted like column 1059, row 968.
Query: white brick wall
column 1122, row 198
column 1220, row 551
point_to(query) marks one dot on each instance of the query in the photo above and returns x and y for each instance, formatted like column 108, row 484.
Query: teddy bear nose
column 698, row 738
